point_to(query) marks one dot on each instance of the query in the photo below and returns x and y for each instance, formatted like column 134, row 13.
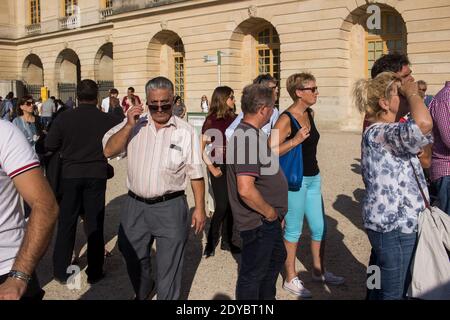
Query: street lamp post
column 219, row 66
column 218, row 60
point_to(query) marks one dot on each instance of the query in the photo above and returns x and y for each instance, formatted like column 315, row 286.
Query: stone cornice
column 56, row 34
column 165, row 8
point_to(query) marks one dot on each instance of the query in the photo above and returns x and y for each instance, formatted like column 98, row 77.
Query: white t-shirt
column 105, row 104
column 16, row 157
column 266, row 129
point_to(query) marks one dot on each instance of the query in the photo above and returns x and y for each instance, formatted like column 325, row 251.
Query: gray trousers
column 141, row 224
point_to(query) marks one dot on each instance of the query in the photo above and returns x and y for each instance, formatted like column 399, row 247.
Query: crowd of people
column 256, row 191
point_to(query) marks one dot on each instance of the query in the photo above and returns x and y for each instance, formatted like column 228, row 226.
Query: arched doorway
column 255, row 50
column 33, row 75
column 104, row 69
column 166, row 56
column 68, row 74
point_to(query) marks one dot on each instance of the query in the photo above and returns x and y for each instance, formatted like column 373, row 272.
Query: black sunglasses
column 29, row 103
column 155, row 107
column 313, row 89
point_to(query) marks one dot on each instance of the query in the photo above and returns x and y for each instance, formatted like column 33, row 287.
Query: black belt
column 162, row 198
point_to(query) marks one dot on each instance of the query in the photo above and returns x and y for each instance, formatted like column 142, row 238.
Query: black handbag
column 109, row 171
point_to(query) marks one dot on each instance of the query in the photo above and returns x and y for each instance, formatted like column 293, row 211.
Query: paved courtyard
column 347, row 251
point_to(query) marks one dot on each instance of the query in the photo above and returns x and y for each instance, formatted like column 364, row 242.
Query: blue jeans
column 263, row 255
column 392, row 252
column 45, row 121
column 442, row 187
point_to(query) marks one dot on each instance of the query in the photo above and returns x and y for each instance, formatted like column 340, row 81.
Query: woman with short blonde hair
column 391, row 173
column 296, row 126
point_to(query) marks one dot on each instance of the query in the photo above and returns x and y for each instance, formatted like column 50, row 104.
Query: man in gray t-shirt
column 47, row 110
column 258, row 193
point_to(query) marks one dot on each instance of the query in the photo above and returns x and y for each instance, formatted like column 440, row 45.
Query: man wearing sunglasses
column 163, row 152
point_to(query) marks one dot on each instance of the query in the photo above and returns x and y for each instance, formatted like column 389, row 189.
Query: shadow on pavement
column 338, row 260
column 351, row 208
column 221, row 296
column 116, row 284
column 356, row 167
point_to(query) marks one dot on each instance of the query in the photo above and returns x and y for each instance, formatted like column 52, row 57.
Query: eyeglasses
column 231, row 97
column 313, row 89
column 29, row 103
column 163, row 108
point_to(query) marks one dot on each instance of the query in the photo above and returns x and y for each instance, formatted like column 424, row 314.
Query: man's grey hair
column 265, row 79
column 256, row 96
column 421, row 82
column 159, row 83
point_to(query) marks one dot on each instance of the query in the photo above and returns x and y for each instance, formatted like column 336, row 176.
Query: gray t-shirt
column 244, row 158
column 48, row 108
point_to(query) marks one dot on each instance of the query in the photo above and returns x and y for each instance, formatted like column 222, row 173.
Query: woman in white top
column 204, row 104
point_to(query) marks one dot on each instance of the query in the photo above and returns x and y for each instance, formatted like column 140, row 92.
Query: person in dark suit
column 77, row 134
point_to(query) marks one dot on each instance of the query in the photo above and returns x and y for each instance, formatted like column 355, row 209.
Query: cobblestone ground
column 347, row 250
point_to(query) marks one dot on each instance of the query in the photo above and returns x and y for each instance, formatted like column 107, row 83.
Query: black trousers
column 34, row 291
column 263, row 257
column 222, row 219
column 90, row 194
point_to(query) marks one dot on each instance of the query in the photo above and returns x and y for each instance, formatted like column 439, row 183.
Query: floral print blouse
column 393, row 200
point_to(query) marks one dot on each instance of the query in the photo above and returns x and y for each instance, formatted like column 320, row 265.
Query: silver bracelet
column 19, row 275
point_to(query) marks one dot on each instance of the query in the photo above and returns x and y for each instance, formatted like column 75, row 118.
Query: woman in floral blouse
column 393, row 200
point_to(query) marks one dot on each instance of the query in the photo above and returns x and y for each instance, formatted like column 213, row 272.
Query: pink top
column 440, row 112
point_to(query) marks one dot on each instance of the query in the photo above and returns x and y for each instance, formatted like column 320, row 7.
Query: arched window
column 389, row 39
column 178, row 56
column 268, row 52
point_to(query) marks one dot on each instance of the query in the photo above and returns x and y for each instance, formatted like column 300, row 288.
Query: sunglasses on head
column 313, row 89
column 155, row 107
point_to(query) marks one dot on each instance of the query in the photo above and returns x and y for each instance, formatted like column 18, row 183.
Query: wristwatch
column 19, row 275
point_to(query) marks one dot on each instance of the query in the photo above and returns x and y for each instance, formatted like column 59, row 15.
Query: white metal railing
column 33, row 28
column 104, row 13
column 69, row 22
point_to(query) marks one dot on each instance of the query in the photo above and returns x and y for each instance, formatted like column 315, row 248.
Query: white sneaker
column 295, row 286
column 329, row 278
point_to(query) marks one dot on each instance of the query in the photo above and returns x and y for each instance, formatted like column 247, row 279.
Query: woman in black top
column 308, row 200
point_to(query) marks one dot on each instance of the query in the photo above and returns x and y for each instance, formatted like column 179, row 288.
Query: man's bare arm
column 35, row 190
column 199, row 215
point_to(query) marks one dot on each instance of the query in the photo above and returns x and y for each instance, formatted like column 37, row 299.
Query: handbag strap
column 297, row 125
column 427, row 204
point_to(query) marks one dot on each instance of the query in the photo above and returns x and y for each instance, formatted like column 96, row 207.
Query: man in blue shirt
column 268, row 81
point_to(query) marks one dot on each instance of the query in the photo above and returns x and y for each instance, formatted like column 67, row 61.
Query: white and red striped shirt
column 160, row 161
column 16, row 157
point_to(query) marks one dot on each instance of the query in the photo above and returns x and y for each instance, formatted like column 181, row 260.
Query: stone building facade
column 55, row 43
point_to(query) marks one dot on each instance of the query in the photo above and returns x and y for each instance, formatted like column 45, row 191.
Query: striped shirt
column 440, row 112
column 16, row 157
column 160, row 161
